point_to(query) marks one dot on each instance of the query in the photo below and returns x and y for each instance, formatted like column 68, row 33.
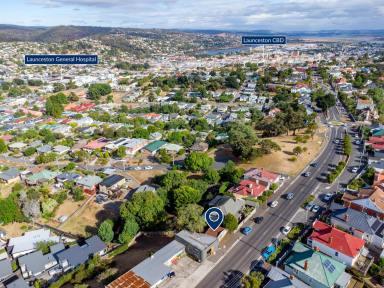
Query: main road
column 239, row 260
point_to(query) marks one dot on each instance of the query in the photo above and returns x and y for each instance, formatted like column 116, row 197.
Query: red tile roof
column 336, row 239
column 260, row 173
column 96, row 144
column 129, row 280
column 248, row 188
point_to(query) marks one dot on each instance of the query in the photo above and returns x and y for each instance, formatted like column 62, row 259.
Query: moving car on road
column 246, row 230
column 289, row 196
column 307, row 174
column 258, row 220
column 273, row 204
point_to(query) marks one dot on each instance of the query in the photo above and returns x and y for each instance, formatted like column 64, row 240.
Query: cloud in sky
column 277, row 15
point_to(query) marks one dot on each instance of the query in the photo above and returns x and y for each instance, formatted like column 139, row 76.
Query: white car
column 274, row 204
column 137, row 168
column 309, row 206
column 355, row 169
column 286, row 230
column 327, row 197
column 315, row 208
column 148, row 167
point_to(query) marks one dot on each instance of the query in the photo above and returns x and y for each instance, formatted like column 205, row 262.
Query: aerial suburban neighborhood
column 110, row 170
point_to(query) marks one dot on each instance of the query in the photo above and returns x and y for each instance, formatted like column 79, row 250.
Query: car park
column 286, row 229
column 289, row 196
column 315, row 208
column 274, row 204
column 246, row 230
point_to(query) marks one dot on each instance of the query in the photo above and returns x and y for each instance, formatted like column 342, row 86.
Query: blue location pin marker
column 214, row 217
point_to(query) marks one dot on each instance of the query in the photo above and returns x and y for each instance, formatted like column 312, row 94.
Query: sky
column 275, row 15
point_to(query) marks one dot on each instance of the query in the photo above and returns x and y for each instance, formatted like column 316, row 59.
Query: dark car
column 258, row 220
column 171, row 274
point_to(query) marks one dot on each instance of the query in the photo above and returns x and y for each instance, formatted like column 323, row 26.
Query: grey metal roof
column 281, row 279
column 68, row 176
column 44, row 148
column 89, row 180
column 198, row 240
column 36, row 261
column 228, row 205
column 77, row 255
column 18, row 283
column 5, row 268
column 153, row 269
column 9, row 174
column 357, row 219
column 111, row 180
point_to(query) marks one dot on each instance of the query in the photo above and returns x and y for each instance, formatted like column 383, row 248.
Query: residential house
column 157, row 268
column 369, row 201
column 61, row 149
column 366, row 109
column 96, row 144
column 10, row 176
column 36, row 263
column 112, row 146
column 359, row 224
column 79, row 254
column 44, row 149
column 40, row 177
column 172, row 148
column 5, row 269
column 88, row 183
column 134, row 145
column 228, row 205
column 111, row 183
column 17, row 146
column 263, row 176
column 67, row 176
column 154, row 146
column 315, row 268
column 16, row 282
column 377, row 145
column 199, row 147
column 248, row 188
column 335, row 243
column 25, row 244
column 280, row 279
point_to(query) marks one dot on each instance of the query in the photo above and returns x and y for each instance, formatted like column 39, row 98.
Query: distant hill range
column 65, row 33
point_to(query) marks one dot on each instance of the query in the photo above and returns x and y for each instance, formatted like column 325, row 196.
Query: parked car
column 267, row 252
column 336, row 141
column 286, row 229
column 171, row 274
column 307, row 174
column 327, row 197
column 309, row 206
column 355, row 169
column 315, row 208
column 314, row 164
column 148, row 167
column 246, row 230
column 258, row 220
column 273, row 204
column 289, row 196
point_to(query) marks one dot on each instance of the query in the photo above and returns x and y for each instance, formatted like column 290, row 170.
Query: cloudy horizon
column 275, row 15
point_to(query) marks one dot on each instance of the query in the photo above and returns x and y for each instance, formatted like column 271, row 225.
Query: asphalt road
column 242, row 257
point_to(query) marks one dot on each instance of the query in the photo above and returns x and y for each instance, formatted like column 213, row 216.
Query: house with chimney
column 369, row 201
column 335, row 243
column 249, row 188
column 359, row 224
column 262, row 176
column 315, row 268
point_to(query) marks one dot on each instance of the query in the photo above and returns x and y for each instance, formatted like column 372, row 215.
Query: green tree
column 297, row 150
column 105, row 230
column 121, row 152
column 57, row 87
column 146, row 207
column 29, row 151
column 254, row 280
column 211, row 176
column 129, row 231
column 185, row 195
column 242, row 139
column 230, row 173
column 96, row 91
column 3, row 146
column 173, row 179
column 77, row 194
column 230, row 222
column 198, row 161
column 190, row 217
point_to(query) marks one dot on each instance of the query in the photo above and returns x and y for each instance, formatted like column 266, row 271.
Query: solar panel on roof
column 329, row 266
column 380, row 230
